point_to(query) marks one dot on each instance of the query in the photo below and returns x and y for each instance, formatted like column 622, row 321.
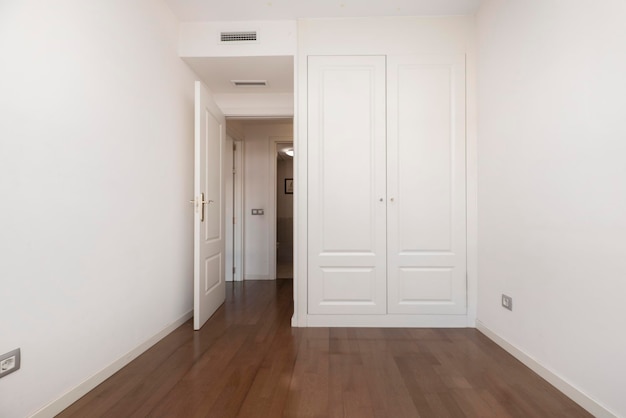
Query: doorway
column 263, row 171
column 255, row 112
column 284, row 209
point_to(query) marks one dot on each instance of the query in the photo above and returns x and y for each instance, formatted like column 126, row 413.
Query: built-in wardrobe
column 386, row 189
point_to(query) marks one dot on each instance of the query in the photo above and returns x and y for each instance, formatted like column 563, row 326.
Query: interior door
column 346, row 187
column 426, row 185
column 209, row 225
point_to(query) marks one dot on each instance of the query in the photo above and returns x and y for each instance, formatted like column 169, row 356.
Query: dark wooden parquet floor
column 247, row 361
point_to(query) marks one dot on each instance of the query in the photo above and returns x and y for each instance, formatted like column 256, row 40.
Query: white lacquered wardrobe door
column 426, row 185
column 346, row 185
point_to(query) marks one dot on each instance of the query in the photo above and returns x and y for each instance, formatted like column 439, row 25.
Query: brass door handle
column 201, row 202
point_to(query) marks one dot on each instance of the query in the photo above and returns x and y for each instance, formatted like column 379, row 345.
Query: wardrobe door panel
column 346, row 182
column 426, row 185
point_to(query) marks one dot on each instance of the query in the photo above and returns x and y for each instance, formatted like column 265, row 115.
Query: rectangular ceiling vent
column 233, row 37
column 249, row 83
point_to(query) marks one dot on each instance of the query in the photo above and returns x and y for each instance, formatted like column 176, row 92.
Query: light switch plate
column 507, row 302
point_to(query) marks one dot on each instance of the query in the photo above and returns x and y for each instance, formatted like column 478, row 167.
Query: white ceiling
column 237, row 10
column 217, row 72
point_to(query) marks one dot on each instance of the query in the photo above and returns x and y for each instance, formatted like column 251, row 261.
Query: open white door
column 209, row 286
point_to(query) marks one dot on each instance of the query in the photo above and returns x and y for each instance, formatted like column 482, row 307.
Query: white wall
column 274, row 38
column 96, row 168
column 259, row 154
column 552, row 186
column 385, row 36
column 202, row 39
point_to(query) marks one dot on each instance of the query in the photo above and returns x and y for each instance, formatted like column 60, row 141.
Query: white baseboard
column 387, row 321
column 58, row 405
column 554, row 379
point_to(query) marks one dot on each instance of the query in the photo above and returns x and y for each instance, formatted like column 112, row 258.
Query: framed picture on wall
column 288, row 186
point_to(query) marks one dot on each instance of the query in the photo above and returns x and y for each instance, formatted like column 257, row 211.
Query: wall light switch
column 507, row 302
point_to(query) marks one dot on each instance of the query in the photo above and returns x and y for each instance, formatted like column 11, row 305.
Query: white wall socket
column 10, row 362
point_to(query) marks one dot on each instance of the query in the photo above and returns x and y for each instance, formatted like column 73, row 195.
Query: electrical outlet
column 9, row 362
column 507, row 302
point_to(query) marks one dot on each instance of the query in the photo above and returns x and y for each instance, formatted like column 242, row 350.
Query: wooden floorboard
column 247, row 361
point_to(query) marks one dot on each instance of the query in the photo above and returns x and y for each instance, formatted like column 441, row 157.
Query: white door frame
column 299, row 260
column 234, row 233
column 229, row 214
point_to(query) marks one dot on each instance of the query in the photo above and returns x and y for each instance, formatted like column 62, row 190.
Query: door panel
column 209, row 286
column 423, row 158
column 413, row 280
column 426, row 185
column 346, row 190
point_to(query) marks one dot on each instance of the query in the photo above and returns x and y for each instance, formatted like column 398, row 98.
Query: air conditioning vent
column 228, row 37
column 249, row 83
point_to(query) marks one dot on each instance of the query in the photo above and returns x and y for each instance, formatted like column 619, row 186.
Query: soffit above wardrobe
column 213, row 10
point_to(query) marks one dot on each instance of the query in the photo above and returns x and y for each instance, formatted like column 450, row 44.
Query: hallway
column 247, row 361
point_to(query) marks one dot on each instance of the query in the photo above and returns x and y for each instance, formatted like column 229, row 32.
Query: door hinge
column 234, row 269
column 234, row 222
column 234, row 147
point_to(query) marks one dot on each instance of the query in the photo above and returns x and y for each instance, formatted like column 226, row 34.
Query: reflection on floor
column 284, row 269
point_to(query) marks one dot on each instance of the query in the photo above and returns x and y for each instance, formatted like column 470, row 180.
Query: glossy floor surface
column 248, row 362
column 284, row 269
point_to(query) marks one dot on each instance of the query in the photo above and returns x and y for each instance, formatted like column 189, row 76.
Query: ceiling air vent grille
column 249, row 83
column 228, row 37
